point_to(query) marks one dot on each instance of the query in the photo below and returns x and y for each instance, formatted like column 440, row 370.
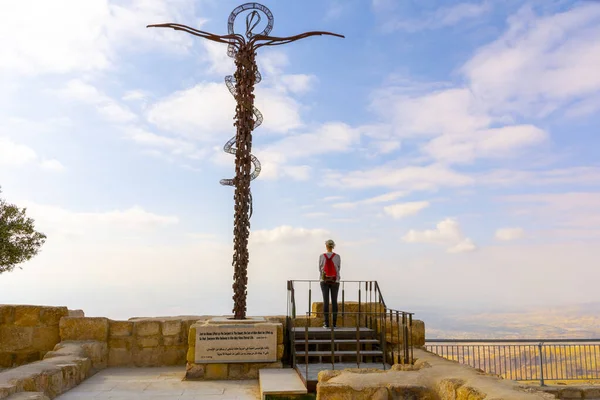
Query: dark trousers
column 332, row 288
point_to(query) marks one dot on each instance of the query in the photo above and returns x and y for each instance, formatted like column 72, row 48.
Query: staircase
column 369, row 334
column 319, row 349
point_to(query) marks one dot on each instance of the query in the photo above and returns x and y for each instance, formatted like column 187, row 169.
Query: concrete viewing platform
column 164, row 383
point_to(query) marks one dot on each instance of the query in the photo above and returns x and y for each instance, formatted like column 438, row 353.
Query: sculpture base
column 224, row 348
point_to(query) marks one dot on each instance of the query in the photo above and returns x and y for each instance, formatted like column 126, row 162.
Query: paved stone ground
column 158, row 383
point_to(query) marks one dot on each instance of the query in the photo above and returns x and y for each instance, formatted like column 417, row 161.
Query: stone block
column 252, row 371
column 76, row 328
column 7, row 315
column 216, row 371
column 148, row 357
column 570, row 393
column 173, row 340
column 45, row 337
column 171, row 328
column 326, row 375
column 14, row 338
column 148, row 341
column 405, row 392
column 146, row 328
column 7, row 389
column 346, row 392
column 447, row 388
column 191, row 355
column 280, row 334
column 51, row 315
column 591, row 393
column 28, row 357
column 174, row 355
column 120, row 343
column 194, row 371
column 418, row 333
column 120, row 328
column 119, row 357
column 27, row 315
column 6, row 360
column 280, row 349
column 469, row 393
column 238, row 371
column 97, row 352
column 54, row 382
column 192, row 336
column 76, row 313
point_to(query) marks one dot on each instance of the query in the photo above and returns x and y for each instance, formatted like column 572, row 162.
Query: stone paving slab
column 158, row 383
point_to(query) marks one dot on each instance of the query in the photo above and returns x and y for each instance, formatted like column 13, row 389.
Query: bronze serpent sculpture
column 247, row 118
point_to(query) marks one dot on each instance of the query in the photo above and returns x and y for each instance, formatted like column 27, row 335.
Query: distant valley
column 567, row 322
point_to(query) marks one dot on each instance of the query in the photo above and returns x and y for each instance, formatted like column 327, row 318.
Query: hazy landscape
column 568, row 322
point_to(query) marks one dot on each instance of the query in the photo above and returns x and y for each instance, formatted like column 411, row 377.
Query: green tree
column 19, row 241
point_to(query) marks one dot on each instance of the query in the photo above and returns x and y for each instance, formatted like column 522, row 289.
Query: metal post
column 357, row 341
column 332, row 349
column 541, row 364
column 310, row 296
column 306, row 345
column 343, row 308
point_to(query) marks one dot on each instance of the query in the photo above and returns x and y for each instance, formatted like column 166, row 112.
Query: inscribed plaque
column 236, row 343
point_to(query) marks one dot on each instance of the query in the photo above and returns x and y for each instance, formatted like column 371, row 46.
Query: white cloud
column 440, row 18
column 489, row 143
column 507, row 234
column 200, row 112
column 529, row 70
column 219, row 62
column 410, row 179
column 447, row 233
column 207, row 110
column 587, row 176
column 173, row 147
column 332, row 198
column 12, row 153
column 136, row 95
column 329, row 138
column 61, row 222
column 316, row 215
column 402, row 210
column 52, row 165
column 384, row 198
column 451, row 111
column 299, row 83
column 569, row 210
column 286, row 233
column 83, row 36
column 106, row 106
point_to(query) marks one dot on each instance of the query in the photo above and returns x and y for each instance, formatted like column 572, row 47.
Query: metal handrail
column 377, row 320
column 525, row 359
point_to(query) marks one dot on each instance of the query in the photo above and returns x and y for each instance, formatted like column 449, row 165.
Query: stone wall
column 371, row 309
column 27, row 333
column 431, row 377
column 139, row 342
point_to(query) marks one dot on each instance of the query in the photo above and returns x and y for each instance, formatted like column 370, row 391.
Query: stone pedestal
column 224, row 348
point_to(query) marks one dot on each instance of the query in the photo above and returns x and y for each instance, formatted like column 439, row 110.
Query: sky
column 449, row 148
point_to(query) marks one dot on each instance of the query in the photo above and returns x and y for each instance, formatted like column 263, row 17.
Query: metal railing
column 525, row 359
column 392, row 327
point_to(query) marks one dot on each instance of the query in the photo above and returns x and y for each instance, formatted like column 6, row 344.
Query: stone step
column 336, row 341
column 340, row 353
column 285, row 381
